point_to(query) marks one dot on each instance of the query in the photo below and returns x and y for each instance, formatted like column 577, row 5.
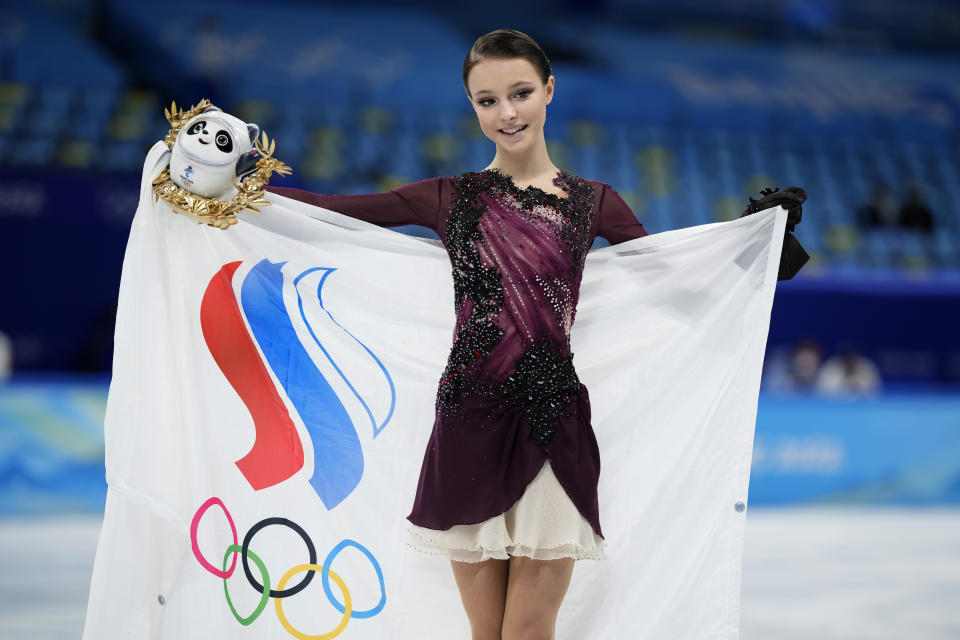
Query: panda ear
column 254, row 131
column 247, row 162
column 212, row 108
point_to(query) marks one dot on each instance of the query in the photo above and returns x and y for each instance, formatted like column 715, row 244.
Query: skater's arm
column 414, row 203
column 617, row 222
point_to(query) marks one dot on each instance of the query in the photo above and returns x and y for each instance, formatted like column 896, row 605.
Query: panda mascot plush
column 212, row 151
column 218, row 165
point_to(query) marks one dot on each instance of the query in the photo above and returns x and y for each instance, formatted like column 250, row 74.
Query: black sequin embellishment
column 548, row 381
column 544, row 379
column 471, row 278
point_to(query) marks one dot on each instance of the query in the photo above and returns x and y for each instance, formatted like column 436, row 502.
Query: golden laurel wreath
column 212, row 211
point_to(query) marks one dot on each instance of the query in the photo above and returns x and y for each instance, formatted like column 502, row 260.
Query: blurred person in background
column 915, row 214
column 807, row 357
column 882, row 209
column 6, row 356
column 848, row 372
column 795, row 369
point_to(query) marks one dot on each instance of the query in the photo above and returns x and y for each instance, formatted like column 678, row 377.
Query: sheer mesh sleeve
column 617, row 222
column 422, row 202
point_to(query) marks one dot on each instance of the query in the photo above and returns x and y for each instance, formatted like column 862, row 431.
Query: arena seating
column 685, row 129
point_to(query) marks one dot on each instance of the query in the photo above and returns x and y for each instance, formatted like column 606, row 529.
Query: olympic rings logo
column 263, row 585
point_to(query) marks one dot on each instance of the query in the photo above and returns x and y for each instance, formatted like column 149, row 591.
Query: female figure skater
column 508, row 485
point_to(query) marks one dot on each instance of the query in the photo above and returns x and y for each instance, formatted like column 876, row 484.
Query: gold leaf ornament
column 212, row 211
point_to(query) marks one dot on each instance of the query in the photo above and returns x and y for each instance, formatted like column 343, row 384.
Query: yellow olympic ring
column 347, row 603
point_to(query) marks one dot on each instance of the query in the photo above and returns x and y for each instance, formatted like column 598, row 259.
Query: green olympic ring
column 264, row 576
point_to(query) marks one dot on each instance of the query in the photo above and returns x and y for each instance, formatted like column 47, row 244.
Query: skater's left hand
column 792, row 255
column 790, row 199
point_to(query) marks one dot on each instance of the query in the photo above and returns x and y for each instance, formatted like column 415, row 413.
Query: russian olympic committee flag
column 273, row 392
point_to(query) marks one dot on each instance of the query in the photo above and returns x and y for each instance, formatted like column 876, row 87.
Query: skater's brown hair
column 503, row 44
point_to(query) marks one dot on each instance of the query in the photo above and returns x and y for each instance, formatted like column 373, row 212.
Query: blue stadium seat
column 32, row 151
column 46, row 123
column 89, row 126
column 122, row 156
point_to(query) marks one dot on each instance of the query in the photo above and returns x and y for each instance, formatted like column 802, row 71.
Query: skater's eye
column 224, row 142
column 196, row 128
column 521, row 94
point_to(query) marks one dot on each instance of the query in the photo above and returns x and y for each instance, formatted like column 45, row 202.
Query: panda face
column 206, row 139
column 204, row 157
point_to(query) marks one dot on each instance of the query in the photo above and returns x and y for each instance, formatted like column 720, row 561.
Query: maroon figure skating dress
column 512, row 465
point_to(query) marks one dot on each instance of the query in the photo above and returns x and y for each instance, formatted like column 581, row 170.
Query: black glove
column 792, row 255
column 790, row 199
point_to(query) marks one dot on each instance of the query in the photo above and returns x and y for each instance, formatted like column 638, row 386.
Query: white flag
column 273, row 392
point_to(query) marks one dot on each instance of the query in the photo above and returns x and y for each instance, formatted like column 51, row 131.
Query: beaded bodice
column 517, row 257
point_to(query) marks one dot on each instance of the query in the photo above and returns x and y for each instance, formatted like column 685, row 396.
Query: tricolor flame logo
column 233, row 330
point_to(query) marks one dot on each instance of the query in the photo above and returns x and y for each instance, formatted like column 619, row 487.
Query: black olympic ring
column 274, row 593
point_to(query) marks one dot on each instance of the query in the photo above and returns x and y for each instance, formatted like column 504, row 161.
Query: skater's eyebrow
column 510, row 87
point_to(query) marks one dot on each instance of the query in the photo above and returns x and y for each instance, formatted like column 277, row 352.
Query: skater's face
column 507, row 94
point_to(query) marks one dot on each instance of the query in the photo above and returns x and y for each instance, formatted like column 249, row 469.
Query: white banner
column 273, row 392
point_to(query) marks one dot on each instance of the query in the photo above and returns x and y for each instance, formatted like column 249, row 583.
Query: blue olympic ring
column 325, row 578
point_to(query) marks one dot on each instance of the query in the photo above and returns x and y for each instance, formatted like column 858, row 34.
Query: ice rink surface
column 825, row 573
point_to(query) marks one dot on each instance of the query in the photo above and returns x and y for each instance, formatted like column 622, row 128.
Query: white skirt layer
column 543, row 524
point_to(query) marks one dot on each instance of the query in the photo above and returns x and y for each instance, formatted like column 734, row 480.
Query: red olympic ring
column 196, row 547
